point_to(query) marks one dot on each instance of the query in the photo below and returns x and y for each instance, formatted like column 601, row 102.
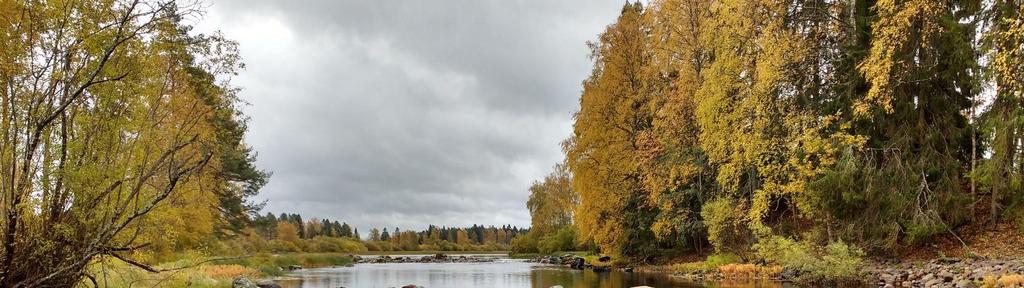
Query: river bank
column 939, row 272
column 948, row 272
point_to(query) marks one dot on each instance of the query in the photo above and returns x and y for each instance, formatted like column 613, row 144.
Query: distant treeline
column 290, row 233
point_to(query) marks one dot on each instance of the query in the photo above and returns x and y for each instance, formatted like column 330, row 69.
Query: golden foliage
column 119, row 149
column 551, row 202
column 901, row 26
column 599, row 154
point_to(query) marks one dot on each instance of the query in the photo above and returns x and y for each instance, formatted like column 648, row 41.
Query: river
column 502, row 273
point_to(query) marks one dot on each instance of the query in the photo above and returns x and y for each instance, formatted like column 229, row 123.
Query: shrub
column 837, row 261
column 524, row 244
column 715, row 260
column 283, row 246
column 564, row 239
column 726, row 228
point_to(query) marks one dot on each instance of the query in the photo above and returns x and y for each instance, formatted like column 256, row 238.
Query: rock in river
column 242, row 282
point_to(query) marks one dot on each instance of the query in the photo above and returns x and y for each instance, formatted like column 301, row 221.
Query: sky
column 409, row 113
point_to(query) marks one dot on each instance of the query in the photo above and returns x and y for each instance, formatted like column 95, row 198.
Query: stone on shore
column 947, row 272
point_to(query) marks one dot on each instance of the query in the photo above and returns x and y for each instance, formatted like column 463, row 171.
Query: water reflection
column 503, row 273
column 546, row 276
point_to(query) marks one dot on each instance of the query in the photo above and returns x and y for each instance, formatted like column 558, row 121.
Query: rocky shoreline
column 575, row 262
column 944, row 272
column 948, row 272
column 436, row 258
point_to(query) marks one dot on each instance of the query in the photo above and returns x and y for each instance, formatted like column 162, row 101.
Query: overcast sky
column 409, row 113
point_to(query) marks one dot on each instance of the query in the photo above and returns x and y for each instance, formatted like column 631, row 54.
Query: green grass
column 710, row 264
column 272, row 264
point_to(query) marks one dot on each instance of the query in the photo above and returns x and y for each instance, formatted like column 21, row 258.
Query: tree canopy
column 730, row 123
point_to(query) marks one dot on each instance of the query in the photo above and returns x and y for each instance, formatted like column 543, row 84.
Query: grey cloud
column 409, row 113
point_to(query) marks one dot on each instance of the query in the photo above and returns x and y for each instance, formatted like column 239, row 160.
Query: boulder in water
column 242, row 282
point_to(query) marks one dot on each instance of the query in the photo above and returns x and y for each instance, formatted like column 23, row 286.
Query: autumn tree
column 673, row 168
column 462, row 238
column 375, row 235
column 552, row 201
column 108, row 134
column 287, row 232
column 614, row 210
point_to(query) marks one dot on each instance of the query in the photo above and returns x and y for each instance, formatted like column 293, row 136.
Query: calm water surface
column 502, row 273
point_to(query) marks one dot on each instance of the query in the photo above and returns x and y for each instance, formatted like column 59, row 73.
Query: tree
column 552, row 201
column 462, row 238
column 346, row 231
column 614, row 209
column 1002, row 44
column 375, row 235
column 327, row 228
column 120, row 140
column 287, row 232
column 921, row 72
column 674, row 169
column 489, row 237
column 312, row 228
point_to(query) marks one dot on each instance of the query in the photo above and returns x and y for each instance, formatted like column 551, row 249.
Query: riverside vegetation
column 738, row 138
column 812, row 136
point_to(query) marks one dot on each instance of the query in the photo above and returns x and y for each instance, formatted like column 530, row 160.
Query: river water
column 502, row 273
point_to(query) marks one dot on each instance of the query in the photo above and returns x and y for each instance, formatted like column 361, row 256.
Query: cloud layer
column 409, row 113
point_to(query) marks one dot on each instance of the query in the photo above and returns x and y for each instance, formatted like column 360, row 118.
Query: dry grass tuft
column 1011, row 280
column 749, row 271
column 228, row 271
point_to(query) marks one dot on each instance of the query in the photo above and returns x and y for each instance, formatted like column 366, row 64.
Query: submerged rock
column 242, row 282
column 267, row 284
